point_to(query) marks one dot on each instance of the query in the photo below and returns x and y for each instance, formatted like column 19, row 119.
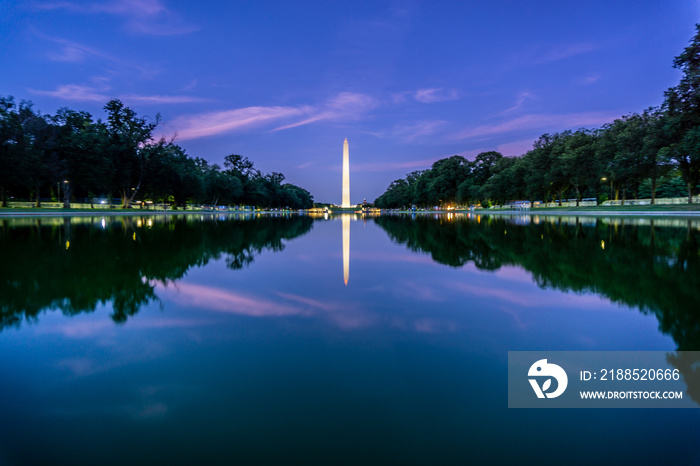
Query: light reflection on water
column 238, row 341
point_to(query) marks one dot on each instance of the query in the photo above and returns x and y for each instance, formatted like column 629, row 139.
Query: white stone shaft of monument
column 346, row 174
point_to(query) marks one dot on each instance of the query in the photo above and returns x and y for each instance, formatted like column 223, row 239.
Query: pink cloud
column 80, row 93
column 71, row 54
column 76, row 93
column 400, row 97
column 535, row 298
column 209, row 124
column 434, row 326
column 426, row 96
column 416, row 291
column 134, row 7
column 347, row 317
column 220, row 300
column 566, row 51
column 522, row 98
column 163, row 99
column 351, row 102
column 513, row 297
column 377, row 256
column 306, row 121
column 432, row 95
column 74, row 52
column 515, row 274
column 312, row 303
column 590, row 78
column 390, row 166
column 345, row 106
column 547, row 122
column 411, row 132
column 90, row 329
column 143, row 16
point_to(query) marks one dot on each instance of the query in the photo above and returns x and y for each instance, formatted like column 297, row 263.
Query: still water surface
column 294, row 340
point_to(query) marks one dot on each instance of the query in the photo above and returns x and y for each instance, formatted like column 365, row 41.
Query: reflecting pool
column 210, row 339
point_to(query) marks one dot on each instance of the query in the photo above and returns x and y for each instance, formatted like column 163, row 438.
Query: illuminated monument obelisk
column 346, row 204
column 346, row 175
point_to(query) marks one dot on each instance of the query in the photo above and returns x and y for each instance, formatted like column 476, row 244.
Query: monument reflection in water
column 346, row 248
column 219, row 339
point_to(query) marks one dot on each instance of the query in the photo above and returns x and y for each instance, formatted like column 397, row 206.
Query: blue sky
column 408, row 82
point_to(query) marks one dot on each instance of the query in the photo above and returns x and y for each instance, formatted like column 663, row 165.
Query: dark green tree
column 682, row 106
column 81, row 145
column 127, row 137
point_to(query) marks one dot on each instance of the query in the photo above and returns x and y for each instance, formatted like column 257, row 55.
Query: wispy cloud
column 190, row 86
column 548, row 122
column 150, row 17
column 346, row 316
column 325, row 306
column 210, row 124
column 70, row 54
column 392, row 166
column 432, row 95
column 542, row 55
column 413, row 131
column 435, row 326
column 345, row 106
column 74, row 52
column 562, row 52
column 221, row 300
column 417, row 291
column 383, row 257
column 81, row 93
column 92, row 329
column 163, row 99
column 75, row 93
column 590, row 78
column 522, row 98
column 426, row 96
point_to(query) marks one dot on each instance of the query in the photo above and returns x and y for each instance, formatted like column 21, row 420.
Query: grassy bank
column 626, row 208
column 9, row 211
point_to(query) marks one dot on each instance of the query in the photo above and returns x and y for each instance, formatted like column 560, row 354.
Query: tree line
column 72, row 154
column 642, row 155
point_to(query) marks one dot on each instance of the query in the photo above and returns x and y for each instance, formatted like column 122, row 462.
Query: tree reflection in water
column 74, row 264
column 652, row 265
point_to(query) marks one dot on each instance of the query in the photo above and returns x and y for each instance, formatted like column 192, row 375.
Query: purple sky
column 407, row 82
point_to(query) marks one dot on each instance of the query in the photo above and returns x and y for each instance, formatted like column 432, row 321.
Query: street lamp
column 66, row 194
column 611, row 186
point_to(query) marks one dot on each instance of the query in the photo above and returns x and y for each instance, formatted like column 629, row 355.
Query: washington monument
column 346, row 174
